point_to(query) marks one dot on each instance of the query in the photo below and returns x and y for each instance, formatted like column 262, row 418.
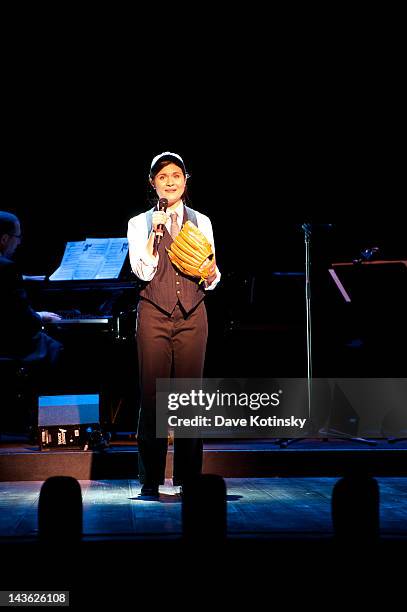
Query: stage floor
column 256, row 508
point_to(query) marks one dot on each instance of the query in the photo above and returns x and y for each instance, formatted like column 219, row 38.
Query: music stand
column 284, row 442
column 377, row 286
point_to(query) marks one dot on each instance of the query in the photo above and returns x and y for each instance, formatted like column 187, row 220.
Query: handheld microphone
column 162, row 205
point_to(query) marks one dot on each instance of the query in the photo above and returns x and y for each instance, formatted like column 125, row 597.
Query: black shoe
column 150, row 491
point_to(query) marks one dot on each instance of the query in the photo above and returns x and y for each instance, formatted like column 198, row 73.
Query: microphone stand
column 306, row 227
column 284, row 442
column 307, row 240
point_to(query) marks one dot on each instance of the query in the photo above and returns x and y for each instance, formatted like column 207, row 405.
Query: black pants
column 167, row 345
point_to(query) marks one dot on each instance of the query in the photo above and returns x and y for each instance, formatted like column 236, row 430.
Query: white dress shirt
column 145, row 265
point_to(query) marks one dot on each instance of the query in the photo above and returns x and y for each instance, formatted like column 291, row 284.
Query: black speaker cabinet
column 68, row 421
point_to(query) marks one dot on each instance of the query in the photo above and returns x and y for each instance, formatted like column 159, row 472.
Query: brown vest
column 169, row 286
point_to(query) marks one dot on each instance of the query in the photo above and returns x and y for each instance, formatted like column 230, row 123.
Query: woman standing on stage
column 172, row 327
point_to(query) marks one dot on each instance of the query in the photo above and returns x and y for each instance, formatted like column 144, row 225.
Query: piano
column 105, row 305
column 97, row 331
column 75, row 317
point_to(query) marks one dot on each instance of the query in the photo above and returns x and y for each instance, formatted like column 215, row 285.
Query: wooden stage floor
column 256, row 508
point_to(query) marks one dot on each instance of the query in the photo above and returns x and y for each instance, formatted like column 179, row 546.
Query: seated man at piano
column 21, row 327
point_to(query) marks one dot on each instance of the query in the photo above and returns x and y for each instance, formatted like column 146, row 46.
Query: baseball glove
column 190, row 250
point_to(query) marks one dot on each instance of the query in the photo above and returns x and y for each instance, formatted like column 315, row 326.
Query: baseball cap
column 168, row 156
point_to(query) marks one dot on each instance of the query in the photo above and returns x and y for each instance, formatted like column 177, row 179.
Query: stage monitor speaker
column 68, row 421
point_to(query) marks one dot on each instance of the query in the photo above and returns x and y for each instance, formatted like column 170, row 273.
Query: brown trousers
column 168, row 346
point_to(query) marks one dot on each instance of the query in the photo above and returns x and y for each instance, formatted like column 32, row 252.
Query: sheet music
column 70, row 259
column 93, row 258
column 114, row 258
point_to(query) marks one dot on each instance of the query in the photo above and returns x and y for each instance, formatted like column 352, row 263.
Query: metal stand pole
column 307, row 240
column 283, row 443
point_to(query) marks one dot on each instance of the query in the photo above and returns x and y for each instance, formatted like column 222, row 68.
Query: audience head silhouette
column 355, row 509
column 60, row 510
column 204, row 509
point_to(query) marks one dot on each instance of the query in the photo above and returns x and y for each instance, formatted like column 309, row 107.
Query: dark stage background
column 282, row 131
column 77, row 167
column 79, row 183
column 266, row 150
column 265, row 155
column 280, row 121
